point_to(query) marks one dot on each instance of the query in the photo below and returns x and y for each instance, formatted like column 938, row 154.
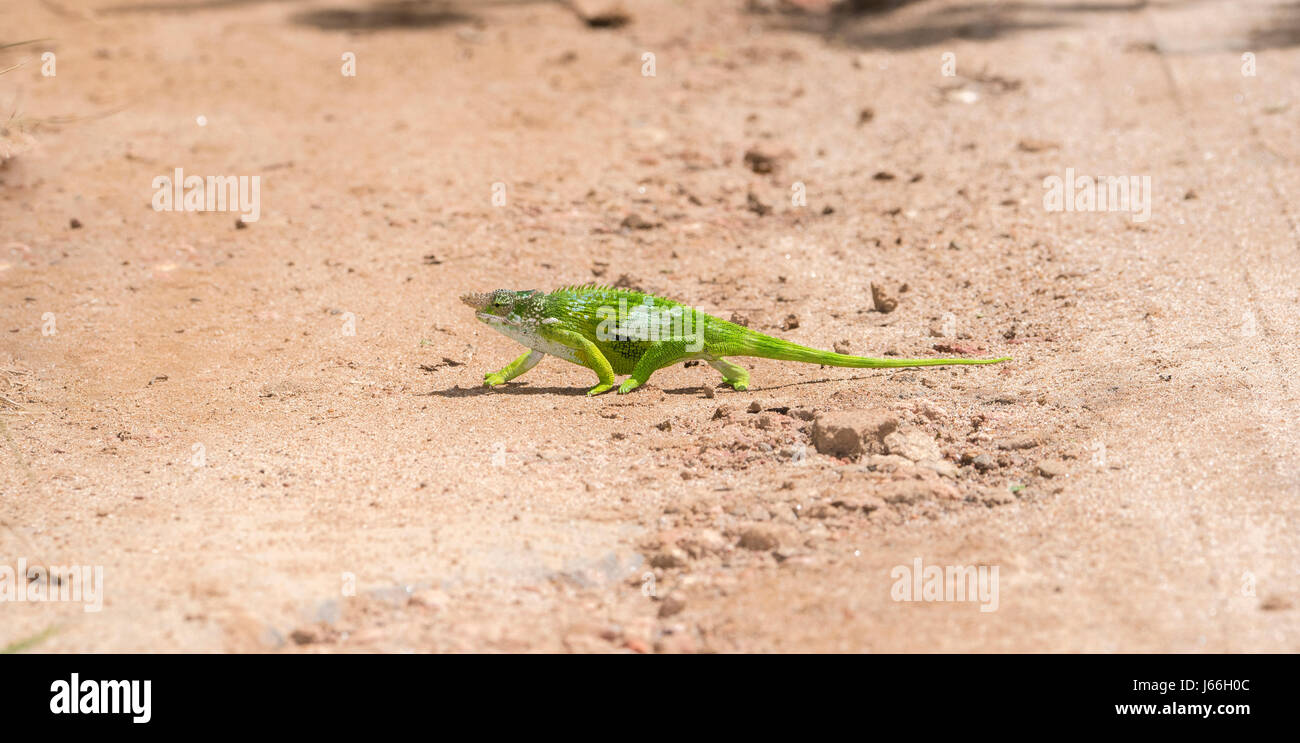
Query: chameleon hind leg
column 513, row 369
column 657, row 356
column 732, row 374
column 588, row 355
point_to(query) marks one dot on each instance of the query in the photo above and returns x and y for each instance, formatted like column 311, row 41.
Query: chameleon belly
column 533, row 340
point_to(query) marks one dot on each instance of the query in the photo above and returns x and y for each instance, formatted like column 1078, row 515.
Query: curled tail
column 767, row 347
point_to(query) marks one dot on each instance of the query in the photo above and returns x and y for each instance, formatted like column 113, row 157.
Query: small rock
column 760, row 538
column 723, row 411
column 1021, row 442
column 705, row 542
column 929, row 410
column 760, row 162
column 1036, row 145
column 996, row 496
column 915, row 491
column 756, row 206
column 304, row 637
column 1276, row 602
column 601, row 13
column 852, row 433
column 913, row 444
column 941, row 466
column 791, row 322
column 678, row 643
column 628, row 281
column 823, row 510
column 865, row 503
column 843, row 347
column 886, row 462
column 672, row 604
column 739, row 319
column 882, row 301
column 635, row 222
column 74, row 223
column 670, row 557
column 1052, row 468
column 983, row 463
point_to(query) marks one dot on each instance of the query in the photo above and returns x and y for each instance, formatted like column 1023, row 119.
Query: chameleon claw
column 599, row 389
column 628, row 386
column 492, row 379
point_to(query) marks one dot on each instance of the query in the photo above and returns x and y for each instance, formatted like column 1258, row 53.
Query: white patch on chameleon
column 531, row 339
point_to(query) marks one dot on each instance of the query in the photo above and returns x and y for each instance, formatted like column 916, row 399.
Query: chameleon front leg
column 513, row 369
column 657, row 356
column 732, row 374
column 588, row 355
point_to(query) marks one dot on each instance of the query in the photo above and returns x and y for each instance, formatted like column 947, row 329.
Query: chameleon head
column 499, row 307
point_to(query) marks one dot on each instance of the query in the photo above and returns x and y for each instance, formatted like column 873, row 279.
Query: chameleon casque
column 615, row 331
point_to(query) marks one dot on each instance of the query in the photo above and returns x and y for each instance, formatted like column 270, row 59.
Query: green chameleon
column 615, row 331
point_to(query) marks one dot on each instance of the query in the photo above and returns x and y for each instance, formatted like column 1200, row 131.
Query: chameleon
column 617, row 331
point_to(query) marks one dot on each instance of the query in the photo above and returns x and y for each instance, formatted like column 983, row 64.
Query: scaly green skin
column 615, row 331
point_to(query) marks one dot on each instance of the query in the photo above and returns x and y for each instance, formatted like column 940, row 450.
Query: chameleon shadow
column 523, row 388
column 509, row 388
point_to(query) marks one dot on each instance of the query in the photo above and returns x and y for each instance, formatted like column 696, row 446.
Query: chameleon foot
column 599, row 389
column 492, row 379
column 628, row 386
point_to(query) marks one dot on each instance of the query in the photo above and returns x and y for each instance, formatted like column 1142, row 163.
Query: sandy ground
column 272, row 437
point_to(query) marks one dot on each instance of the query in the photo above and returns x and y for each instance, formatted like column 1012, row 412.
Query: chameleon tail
column 767, row 347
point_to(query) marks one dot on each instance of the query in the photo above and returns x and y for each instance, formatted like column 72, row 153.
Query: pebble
column 914, row 491
column 882, row 301
column 672, row 604
column 996, row 496
column 1022, row 442
column 760, row 538
column 940, row 466
column 852, row 433
column 913, row 444
column 1052, row 468
column 705, row 542
column 670, row 557
column 886, row 462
